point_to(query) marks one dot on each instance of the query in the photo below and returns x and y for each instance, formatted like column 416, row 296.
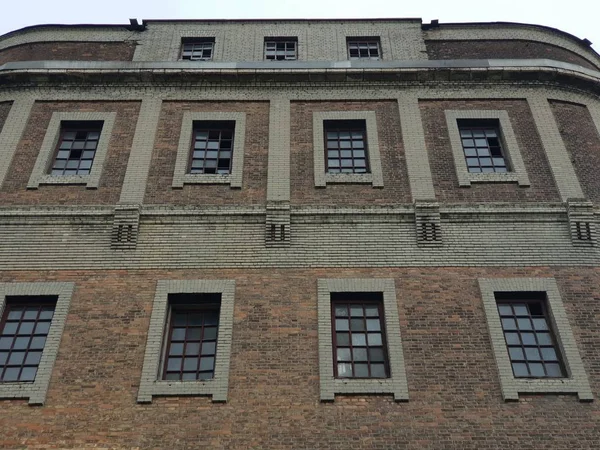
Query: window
column 365, row 48
column 360, row 348
column 212, row 147
column 481, row 144
column 532, row 339
column 32, row 318
column 346, row 148
column 346, row 144
column 359, row 336
column 23, row 333
column 189, row 340
column 192, row 337
column 198, row 49
column 529, row 338
column 74, row 149
column 485, row 148
column 284, row 49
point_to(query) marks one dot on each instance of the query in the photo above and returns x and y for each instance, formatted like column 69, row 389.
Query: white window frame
column 234, row 179
column 36, row 391
column 510, row 149
column 576, row 381
column 322, row 178
column 396, row 384
column 151, row 383
column 47, row 152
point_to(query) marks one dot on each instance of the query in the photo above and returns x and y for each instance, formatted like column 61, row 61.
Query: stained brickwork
column 503, row 49
column 395, row 178
column 69, row 51
column 160, row 180
column 274, row 374
column 543, row 187
column 14, row 191
column 4, row 110
column 583, row 143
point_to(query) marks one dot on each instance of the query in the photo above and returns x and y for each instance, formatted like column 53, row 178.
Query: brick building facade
column 299, row 234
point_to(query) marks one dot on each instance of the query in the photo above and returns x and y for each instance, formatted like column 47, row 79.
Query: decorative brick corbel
column 428, row 223
column 125, row 227
column 581, row 222
column 277, row 230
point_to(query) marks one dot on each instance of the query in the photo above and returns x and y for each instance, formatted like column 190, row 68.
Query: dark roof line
column 435, row 24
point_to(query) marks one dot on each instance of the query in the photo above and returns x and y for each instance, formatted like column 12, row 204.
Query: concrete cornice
column 70, row 73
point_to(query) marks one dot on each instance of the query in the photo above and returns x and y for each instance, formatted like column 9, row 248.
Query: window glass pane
column 361, row 370
column 378, row 371
column 345, row 370
column 342, row 338
column 509, row 324
column 359, row 339
column 375, row 339
column 210, row 333
column 536, row 369
column 360, row 354
column 520, row 370
column 207, row 363
column 343, row 354
column 176, row 349
column 6, row 342
column 38, row 342
column 341, row 325
column 516, row 353
column 190, row 364
column 528, row 338
column 553, row 370
column 512, row 338
column 357, row 324
column 10, row 328
column 549, row 354
column 209, row 348
column 376, row 354
column 192, row 348
column 373, row 325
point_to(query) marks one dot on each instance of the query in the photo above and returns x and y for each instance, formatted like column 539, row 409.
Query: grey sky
column 578, row 17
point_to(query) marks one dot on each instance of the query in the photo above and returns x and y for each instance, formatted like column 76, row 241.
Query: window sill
column 350, row 178
column 506, row 177
column 202, row 179
column 64, row 179
column 187, row 388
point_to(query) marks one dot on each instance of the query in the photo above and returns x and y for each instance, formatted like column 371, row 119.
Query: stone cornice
column 71, row 73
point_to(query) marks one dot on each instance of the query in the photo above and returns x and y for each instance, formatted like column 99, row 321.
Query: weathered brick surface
column 395, row 176
column 542, row 188
column 254, row 178
column 14, row 190
column 69, row 51
column 583, row 143
column 455, row 397
column 502, row 49
column 4, row 109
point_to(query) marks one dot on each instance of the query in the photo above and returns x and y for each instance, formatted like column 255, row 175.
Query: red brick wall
column 455, row 397
column 503, row 49
column 441, row 159
column 393, row 163
column 69, row 51
column 256, row 149
column 14, row 191
column 4, row 110
column 581, row 138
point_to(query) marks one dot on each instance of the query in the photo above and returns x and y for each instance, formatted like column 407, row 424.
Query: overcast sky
column 578, row 17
